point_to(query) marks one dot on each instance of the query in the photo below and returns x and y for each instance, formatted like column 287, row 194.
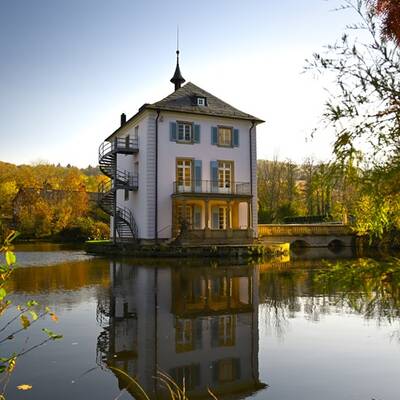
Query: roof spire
column 177, row 79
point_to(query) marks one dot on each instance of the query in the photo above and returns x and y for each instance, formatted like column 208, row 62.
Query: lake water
column 268, row 331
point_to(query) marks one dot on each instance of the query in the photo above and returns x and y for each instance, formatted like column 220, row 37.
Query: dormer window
column 201, row 101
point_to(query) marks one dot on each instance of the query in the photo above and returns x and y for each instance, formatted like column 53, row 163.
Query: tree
column 364, row 106
column 364, row 110
column 389, row 11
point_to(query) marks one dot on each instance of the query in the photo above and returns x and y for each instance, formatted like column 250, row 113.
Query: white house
column 183, row 166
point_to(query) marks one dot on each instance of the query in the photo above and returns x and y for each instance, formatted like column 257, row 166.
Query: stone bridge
column 310, row 235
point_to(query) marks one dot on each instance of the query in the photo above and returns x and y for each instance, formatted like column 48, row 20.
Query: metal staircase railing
column 123, row 218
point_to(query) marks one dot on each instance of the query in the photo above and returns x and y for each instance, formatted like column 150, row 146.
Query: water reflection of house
column 198, row 325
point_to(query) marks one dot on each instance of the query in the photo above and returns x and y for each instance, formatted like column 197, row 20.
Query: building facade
column 182, row 167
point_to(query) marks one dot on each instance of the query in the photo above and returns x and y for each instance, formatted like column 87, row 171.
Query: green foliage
column 83, row 229
column 370, row 287
column 364, row 111
column 27, row 314
column 288, row 190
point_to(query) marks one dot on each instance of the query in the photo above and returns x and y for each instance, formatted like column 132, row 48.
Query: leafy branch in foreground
column 27, row 314
column 363, row 109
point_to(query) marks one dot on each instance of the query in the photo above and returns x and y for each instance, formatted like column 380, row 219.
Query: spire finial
column 177, row 40
column 177, row 79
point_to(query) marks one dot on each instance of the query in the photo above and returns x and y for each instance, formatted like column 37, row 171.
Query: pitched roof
column 184, row 100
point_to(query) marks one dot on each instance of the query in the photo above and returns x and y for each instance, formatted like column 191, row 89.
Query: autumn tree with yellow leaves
column 45, row 200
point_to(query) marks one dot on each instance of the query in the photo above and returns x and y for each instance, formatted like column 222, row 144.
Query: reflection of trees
column 368, row 287
column 67, row 277
column 365, row 286
column 278, row 293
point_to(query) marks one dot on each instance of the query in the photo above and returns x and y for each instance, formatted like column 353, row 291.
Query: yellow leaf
column 33, row 315
column 25, row 321
column 11, row 364
column 53, row 317
column 10, row 258
column 24, row 387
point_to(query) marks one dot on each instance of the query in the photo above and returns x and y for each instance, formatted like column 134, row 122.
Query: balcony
column 219, row 188
column 125, row 145
column 118, row 145
column 124, row 180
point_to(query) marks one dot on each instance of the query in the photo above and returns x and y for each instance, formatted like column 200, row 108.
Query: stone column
column 249, row 219
column 206, row 219
column 174, row 224
column 229, row 233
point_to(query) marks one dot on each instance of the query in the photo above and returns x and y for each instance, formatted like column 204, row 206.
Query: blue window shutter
column 197, row 175
column 236, row 138
column 172, row 131
column 214, row 135
column 196, row 134
column 214, row 175
column 215, row 218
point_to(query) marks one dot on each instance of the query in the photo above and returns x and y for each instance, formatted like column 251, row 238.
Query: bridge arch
column 299, row 243
column 336, row 245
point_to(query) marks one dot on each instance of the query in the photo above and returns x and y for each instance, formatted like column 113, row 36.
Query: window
column 222, row 220
column 127, row 141
column 226, row 330
column 184, row 335
column 219, row 217
column 126, row 195
column 201, row 101
column 228, row 370
column 225, row 176
column 224, row 136
column 188, row 375
column 136, row 133
column 185, row 216
column 184, row 170
column 185, row 132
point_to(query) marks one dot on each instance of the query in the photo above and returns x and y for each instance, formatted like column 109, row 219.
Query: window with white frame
column 225, row 176
column 184, row 334
column 222, row 217
column 226, row 330
column 184, row 170
column 185, row 132
column 201, row 101
column 224, row 136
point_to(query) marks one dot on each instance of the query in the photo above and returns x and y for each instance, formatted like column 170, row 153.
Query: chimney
column 123, row 119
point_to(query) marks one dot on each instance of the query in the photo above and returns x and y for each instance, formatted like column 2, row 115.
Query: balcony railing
column 215, row 187
column 119, row 145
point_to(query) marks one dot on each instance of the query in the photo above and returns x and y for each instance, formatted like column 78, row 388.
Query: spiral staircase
column 124, row 220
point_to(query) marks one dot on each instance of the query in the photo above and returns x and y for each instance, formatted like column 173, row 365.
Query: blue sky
column 69, row 68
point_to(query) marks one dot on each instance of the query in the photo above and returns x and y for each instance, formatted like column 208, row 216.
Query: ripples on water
column 281, row 330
